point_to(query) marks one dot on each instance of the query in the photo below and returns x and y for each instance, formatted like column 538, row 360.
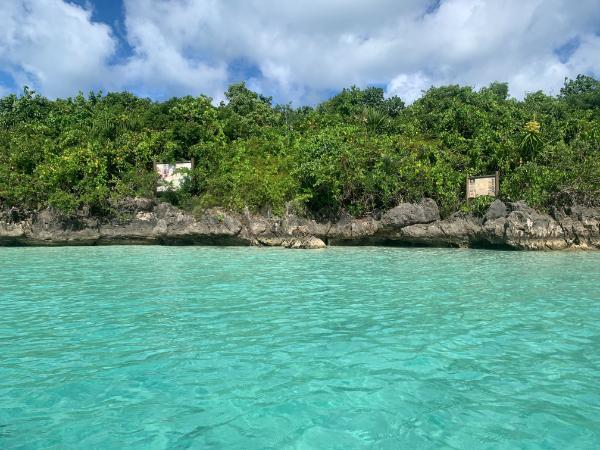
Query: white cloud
column 302, row 51
column 408, row 86
column 160, row 63
column 54, row 46
column 586, row 58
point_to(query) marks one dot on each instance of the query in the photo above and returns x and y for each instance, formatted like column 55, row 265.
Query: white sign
column 171, row 176
column 486, row 185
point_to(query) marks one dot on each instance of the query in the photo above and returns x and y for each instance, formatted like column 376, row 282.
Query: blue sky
column 107, row 11
column 295, row 51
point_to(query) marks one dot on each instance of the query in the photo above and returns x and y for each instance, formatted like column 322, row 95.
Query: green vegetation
column 357, row 152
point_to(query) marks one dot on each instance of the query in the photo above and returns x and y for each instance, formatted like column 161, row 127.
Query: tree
column 357, row 152
column 583, row 92
column 246, row 112
column 353, row 101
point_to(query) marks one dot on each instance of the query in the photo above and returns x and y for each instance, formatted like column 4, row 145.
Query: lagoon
column 219, row 347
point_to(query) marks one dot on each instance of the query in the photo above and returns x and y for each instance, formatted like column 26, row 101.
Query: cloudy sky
column 298, row 51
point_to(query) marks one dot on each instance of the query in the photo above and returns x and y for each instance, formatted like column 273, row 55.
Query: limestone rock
column 580, row 225
column 134, row 204
column 456, row 231
column 514, row 225
column 349, row 228
column 496, row 210
column 308, row 242
column 294, row 225
column 526, row 229
column 406, row 214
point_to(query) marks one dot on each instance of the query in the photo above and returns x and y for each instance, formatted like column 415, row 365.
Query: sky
column 298, row 51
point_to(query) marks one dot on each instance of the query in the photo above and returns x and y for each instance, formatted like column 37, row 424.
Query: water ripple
column 171, row 347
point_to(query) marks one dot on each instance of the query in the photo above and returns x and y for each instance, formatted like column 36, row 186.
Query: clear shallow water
column 195, row 347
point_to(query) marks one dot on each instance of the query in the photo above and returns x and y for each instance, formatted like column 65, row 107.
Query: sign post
column 483, row 185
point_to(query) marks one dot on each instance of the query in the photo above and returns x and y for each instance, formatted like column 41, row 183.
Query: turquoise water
column 195, row 347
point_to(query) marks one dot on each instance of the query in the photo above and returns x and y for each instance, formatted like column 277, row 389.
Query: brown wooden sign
column 483, row 185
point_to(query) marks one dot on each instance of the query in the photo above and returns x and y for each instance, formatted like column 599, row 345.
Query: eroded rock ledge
column 144, row 221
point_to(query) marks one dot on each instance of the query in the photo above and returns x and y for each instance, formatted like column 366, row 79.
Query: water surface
column 196, row 347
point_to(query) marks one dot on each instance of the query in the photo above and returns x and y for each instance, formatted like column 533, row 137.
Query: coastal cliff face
column 145, row 221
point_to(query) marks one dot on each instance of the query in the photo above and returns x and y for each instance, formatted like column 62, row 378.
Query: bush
column 357, row 152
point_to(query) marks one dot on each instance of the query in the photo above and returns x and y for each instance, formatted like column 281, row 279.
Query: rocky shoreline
column 146, row 221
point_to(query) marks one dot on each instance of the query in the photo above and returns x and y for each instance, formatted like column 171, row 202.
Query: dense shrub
column 357, row 152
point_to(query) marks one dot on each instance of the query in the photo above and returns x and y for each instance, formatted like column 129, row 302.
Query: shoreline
column 140, row 221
